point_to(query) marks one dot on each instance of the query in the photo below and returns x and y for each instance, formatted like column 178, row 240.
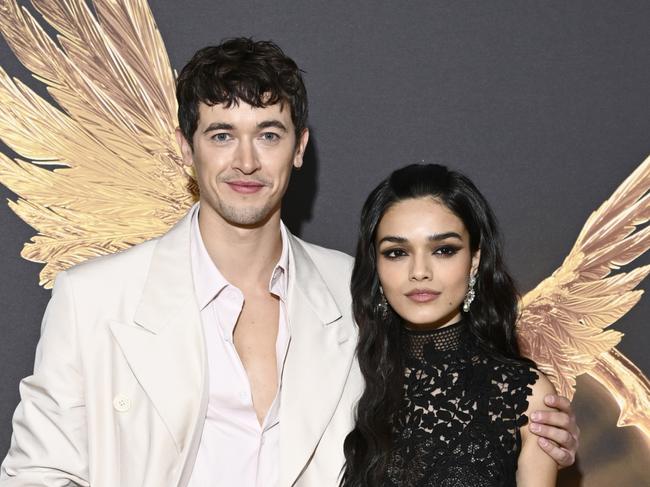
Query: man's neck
column 245, row 256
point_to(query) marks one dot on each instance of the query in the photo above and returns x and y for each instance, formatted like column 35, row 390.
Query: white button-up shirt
column 235, row 450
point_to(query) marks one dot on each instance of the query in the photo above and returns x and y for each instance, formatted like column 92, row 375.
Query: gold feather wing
column 564, row 319
column 114, row 177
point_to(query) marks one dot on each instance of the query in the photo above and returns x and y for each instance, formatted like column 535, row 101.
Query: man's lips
column 422, row 295
column 245, row 187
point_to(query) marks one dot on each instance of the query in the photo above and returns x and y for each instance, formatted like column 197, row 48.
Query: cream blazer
column 119, row 391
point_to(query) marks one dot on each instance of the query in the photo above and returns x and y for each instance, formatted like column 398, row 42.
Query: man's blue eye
column 222, row 137
column 270, row 136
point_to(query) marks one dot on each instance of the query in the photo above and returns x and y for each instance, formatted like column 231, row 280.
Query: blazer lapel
column 317, row 365
column 165, row 347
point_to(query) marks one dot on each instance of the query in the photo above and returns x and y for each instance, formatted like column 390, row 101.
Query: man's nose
column 246, row 159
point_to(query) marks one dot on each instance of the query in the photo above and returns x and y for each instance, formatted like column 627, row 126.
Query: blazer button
column 121, row 403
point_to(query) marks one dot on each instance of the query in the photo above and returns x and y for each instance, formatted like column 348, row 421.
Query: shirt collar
column 278, row 284
column 209, row 282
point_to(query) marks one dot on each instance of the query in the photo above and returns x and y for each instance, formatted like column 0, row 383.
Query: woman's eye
column 446, row 251
column 394, row 253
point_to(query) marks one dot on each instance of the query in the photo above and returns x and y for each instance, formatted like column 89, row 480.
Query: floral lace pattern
column 459, row 422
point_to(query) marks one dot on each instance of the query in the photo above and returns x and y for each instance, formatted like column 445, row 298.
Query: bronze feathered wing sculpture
column 102, row 173
column 116, row 180
column 563, row 319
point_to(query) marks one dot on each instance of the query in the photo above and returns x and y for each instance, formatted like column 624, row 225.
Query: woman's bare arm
column 534, row 467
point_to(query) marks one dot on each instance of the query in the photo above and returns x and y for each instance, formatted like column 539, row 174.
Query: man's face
column 243, row 157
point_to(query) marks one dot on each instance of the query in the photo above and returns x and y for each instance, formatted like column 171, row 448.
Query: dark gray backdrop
column 544, row 104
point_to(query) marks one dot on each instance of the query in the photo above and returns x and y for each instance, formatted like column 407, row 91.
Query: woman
column 446, row 388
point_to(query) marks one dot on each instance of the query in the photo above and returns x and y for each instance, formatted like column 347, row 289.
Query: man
column 221, row 353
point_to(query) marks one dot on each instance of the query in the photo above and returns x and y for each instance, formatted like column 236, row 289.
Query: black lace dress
column 459, row 422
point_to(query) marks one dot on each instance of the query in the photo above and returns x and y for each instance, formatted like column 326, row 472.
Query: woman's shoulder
column 516, row 387
column 527, row 390
column 537, row 384
column 512, row 372
column 539, row 390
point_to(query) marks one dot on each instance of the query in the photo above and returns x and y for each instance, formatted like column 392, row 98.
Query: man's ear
column 301, row 145
column 185, row 147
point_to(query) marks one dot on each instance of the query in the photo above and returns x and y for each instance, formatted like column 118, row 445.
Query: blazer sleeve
column 49, row 444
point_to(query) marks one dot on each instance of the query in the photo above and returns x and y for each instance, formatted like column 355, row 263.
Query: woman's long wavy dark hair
column 491, row 318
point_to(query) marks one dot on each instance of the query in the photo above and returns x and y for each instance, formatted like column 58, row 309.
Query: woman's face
column 424, row 262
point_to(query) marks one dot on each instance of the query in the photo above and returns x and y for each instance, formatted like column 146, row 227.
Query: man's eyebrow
column 218, row 126
column 443, row 236
column 393, row 239
column 272, row 123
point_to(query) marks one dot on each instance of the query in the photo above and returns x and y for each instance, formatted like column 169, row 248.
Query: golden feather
column 117, row 180
column 564, row 319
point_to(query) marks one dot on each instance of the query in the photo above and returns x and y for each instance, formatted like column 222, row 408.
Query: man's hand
column 557, row 430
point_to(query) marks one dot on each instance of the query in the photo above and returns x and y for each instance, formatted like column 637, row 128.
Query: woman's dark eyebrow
column 443, row 236
column 435, row 237
column 393, row 239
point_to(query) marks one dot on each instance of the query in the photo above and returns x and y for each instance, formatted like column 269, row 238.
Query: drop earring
column 382, row 306
column 471, row 294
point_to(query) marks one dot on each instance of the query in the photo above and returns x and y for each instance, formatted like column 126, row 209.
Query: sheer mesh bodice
column 458, row 425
